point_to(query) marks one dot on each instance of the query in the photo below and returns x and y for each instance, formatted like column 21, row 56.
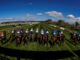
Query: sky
column 68, row 10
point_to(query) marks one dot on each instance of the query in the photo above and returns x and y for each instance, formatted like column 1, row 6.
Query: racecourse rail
column 37, row 54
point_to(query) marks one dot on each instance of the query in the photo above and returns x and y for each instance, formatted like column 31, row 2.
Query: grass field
column 34, row 46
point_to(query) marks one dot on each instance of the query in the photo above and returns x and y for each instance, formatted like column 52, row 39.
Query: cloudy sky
column 11, row 10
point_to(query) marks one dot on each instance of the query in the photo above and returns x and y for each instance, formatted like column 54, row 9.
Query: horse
column 36, row 37
column 79, row 37
column 31, row 35
column 20, row 35
column 12, row 36
column 26, row 38
column 75, row 38
column 58, row 39
column 53, row 38
column 62, row 38
column 41, row 38
column 2, row 36
column 71, row 36
column 18, row 40
column 46, row 37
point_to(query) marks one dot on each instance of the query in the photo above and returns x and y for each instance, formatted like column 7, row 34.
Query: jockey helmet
column 31, row 30
column 37, row 30
column 61, row 32
column 54, row 33
column 26, row 31
column 74, row 34
column 12, row 31
column 47, row 32
column 18, row 32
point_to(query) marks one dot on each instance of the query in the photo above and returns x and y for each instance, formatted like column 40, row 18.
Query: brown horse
column 18, row 40
column 2, row 36
column 25, row 38
column 74, row 39
column 36, row 37
column 53, row 39
column 58, row 39
column 19, row 36
column 45, row 38
column 31, row 36
column 40, row 39
column 62, row 38
column 12, row 36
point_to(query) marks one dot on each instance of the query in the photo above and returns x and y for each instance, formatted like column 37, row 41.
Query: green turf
column 34, row 46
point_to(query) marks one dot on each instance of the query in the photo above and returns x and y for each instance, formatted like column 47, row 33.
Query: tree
column 60, row 21
column 76, row 24
column 49, row 20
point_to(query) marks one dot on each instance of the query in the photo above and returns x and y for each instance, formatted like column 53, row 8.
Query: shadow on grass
column 37, row 54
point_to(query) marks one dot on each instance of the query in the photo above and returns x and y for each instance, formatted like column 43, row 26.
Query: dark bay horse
column 79, row 37
column 12, row 36
column 46, row 37
column 41, row 37
column 74, row 37
column 31, row 35
column 62, row 38
column 20, row 36
column 26, row 37
column 36, row 37
column 53, row 38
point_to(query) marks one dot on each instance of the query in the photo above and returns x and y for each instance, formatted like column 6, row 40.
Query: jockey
column 27, row 31
column 42, row 32
column 61, row 33
column 74, row 34
column 31, row 30
column 12, row 31
column 37, row 30
column 18, row 32
column 54, row 33
column 47, row 32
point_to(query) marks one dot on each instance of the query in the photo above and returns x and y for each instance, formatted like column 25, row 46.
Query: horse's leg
column 57, row 40
column 39, row 40
column 35, row 38
column 17, row 40
column 20, row 39
column 24, row 38
column 60, row 40
column 30, row 37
